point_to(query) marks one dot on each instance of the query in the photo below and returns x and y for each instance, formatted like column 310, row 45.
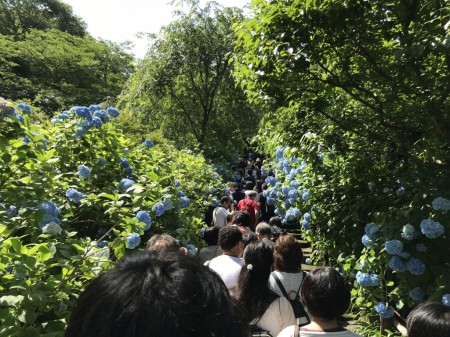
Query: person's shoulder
column 287, row 332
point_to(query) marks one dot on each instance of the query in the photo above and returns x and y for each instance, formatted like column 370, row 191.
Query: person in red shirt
column 251, row 206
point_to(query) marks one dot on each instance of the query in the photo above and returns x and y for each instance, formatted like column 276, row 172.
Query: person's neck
column 230, row 253
column 320, row 324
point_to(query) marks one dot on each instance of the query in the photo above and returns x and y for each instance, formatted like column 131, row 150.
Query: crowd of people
column 247, row 281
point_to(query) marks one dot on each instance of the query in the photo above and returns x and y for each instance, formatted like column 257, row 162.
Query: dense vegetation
column 360, row 92
column 354, row 98
column 184, row 85
column 48, row 59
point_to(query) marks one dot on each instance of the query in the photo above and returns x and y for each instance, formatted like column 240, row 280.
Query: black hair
column 253, row 293
column 287, row 254
column 264, row 186
column 156, row 294
column 159, row 242
column 212, row 236
column 249, row 185
column 325, row 293
column 429, row 319
column 242, row 219
column 224, row 199
column 229, row 237
column 248, row 238
column 275, row 221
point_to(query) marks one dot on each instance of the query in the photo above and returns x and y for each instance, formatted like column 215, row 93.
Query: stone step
column 307, row 267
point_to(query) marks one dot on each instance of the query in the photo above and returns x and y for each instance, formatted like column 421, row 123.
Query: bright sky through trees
column 121, row 20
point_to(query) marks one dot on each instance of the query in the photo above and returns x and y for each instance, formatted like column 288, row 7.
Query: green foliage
column 185, row 88
column 55, row 69
column 21, row 16
column 360, row 92
column 42, row 273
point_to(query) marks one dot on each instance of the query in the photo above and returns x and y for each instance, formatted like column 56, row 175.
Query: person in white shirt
column 261, row 306
column 229, row 264
column 223, row 212
column 326, row 295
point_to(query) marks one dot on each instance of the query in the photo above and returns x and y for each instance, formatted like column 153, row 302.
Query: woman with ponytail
column 261, row 306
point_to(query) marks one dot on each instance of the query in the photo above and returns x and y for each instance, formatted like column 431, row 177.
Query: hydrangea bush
column 75, row 196
column 388, row 234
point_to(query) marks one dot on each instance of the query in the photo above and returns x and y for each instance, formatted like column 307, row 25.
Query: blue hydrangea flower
column 415, row 266
column 19, row 117
column 367, row 280
column 420, row 247
column 320, row 156
column 184, row 202
column 113, row 112
column 168, row 204
column 417, row 294
column 285, row 189
column 133, row 240
column 400, row 191
column 295, row 184
column 102, row 244
column 305, row 224
column 97, row 122
column 270, row 180
column 94, row 108
column 394, row 247
column 73, row 195
column 159, row 208
column 384, row 311
column 177, row 183
column 270, row 201
column 191, row 249
column 279, row 153
column 431, row 229
column 308, row 261
column 63, row 116
column 397, row 264
column 290, row 215
column 124, row 163
column 148, row 143
column 81, row 131
column 366, row 241
column 371, row 229
column 24, row 107
column 446, row 299
column 293, row 194
column 52, row 228
column 441, row 204
column 331, row 156
column 84, row 171
column 181, row 194
column 305, row 196
column 11, row 211
column 307, row 216
column 296, row 212
column 102, row 161
column 144, row 217
column 125, row 183
column 50, row 208
column 408, row 232
column 82, row 111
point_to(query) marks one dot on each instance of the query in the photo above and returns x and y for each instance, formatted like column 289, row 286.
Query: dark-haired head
column 212, row 236
column 253, row 293
column 249, row 185
column 249, row 237
column 225, row 201
column 429, row 319
column 275, row 221
column 325, row 293
column 287, row 254
column 162, row 242
column 229, row 237
column 156, row 294
column 242, row 219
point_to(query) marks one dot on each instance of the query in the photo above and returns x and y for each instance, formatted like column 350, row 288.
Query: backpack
column 299, row 312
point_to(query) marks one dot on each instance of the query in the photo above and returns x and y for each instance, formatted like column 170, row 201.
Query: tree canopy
column 21, row 16
column 185, row 86
column 48, row 59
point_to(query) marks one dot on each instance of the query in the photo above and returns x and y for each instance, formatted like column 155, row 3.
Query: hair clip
column 250, row 266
